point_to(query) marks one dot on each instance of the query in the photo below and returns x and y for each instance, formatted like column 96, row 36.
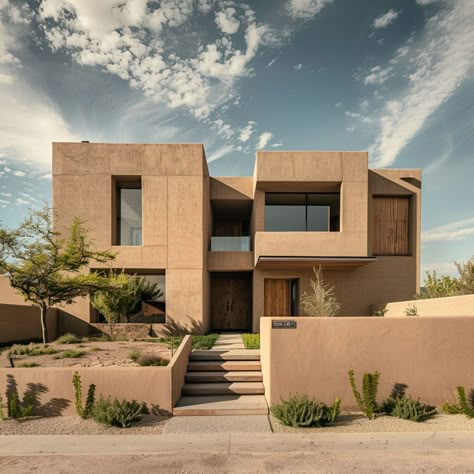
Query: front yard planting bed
column 358, row 423
column 87, row 353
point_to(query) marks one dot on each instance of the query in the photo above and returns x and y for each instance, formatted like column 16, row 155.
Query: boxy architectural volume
column 228, row 250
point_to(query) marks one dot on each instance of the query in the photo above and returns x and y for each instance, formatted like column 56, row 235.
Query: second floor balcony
column 230, row 244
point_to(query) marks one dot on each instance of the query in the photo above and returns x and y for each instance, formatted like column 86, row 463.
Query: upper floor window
column 128, row 198
column 302, row 212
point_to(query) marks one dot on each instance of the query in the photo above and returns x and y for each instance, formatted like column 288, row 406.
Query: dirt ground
column 96, row 354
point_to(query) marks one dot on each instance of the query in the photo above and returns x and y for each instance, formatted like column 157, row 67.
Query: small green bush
column 68, row 338
column 19, row 409
column 149, row 360
column 251, row 341
column 2, row 413
column 134, row 355
column 407, row 408
column 86, row 411
column 464, row 405
column 411, row 310
column 70, row 354
column 379, row 312
column 96, row 349
column 117, row 413
column 300, row 411
column 27, row 365
column 205, row 342
column 367, row 402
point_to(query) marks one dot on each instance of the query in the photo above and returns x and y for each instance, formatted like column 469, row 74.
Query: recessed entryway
column 231, row 301
column 280, row 297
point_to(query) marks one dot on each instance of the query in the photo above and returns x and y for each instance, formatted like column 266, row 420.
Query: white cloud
column 306, row 9
column 364, row 105
column 227, row 22
column 298, row 67
column 276, row 145
column 426, row 2
column 224, row 129
column 272, row 62
column 264, row 139
column 19, row 173
column 378, row 75
column 6, row 79
column 6, row 194
column 338, row 105
column 386, row 19
column 247, row 131
column 127, row 38
column 458, row 230
column 437, row 68
column 220, row 152
column 21, row 202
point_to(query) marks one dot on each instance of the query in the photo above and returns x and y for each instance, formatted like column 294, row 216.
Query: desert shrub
column 251, row 341
column 321, row 301
column 411, row 310
column 28, row 365
column 70, row 354
column 464, row 405
column 204, row 342
column 299, row 410
column 379, row 312
column 83, row 411
column 134, row 355
column 19, row 409
column 2, row 413
column 31, row 350
column 367, row 402
column 407, row 408
column 117, row 413
column 68, row 338
column 149, row 360
column 96, row 349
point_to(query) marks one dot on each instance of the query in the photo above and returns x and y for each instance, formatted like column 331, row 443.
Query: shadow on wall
column 175, row 328
column 32, row 395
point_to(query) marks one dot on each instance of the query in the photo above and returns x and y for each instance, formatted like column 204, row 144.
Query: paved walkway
column 219, row 424
column 245, row 452
column 228, row 341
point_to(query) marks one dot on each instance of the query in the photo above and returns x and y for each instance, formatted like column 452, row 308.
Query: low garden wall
column 22, row 323
column 450, row 305
column 53, row 393
column 432, row 355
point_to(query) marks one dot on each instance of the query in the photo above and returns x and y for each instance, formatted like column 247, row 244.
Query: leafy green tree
column 46, row 268
column 123, row 297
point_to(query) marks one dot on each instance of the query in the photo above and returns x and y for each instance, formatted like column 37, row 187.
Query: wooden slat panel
column 390, row 226
column 277, row 297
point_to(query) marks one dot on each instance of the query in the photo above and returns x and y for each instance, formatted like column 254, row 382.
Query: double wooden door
column 230, row 303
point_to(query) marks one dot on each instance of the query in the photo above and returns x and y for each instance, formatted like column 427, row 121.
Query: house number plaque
column 287, row 324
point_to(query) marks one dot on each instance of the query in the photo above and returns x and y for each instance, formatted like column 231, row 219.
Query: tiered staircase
column 223, row 382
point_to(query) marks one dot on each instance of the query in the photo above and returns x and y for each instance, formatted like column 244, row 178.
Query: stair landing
column 221, row 405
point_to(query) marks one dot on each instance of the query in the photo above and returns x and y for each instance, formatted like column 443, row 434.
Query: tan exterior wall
column 223, row 261
column 176, row 216
column 449, row 306
column 358, row 290
column 53, row 391
column 314, row 358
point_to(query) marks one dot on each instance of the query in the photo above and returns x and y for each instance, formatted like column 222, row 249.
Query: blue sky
column 394, row 77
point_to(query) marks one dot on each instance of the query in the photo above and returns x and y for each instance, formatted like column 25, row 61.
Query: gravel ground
column 357, row 423
column 97, row 354
column 69, row 425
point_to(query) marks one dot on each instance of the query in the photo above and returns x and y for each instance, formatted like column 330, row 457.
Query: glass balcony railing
column 230, row 244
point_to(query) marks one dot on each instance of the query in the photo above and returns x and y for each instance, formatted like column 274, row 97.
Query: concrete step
column 243, row 354
column 224, row 388
column 222, row 376
column 223, row 365
column 215, row 405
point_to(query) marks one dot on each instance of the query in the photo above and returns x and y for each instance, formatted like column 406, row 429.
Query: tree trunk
column 44, row 328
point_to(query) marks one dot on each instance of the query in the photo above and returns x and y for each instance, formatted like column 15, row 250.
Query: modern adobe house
column 229, row 250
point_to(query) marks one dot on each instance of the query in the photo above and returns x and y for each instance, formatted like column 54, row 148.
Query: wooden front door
column 277, row 297
column 230, row 306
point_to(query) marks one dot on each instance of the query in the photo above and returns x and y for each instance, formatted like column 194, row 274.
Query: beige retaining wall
column 53, row 391
column 432, row 355
column 450, row 305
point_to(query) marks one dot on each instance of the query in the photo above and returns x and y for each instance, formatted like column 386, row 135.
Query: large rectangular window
column 302, row 212
column 129, row 212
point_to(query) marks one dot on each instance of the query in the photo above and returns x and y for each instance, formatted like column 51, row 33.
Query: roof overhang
column 333, row 263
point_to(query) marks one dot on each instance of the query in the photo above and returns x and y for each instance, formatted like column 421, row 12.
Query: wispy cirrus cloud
column 264, row 139
column 306, row 9
column 386, row 19
column 435, row 69
column 458, row 230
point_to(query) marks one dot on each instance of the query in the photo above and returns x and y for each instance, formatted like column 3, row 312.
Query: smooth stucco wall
column 52, row 386
column 451, row 305
column 431, row 355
